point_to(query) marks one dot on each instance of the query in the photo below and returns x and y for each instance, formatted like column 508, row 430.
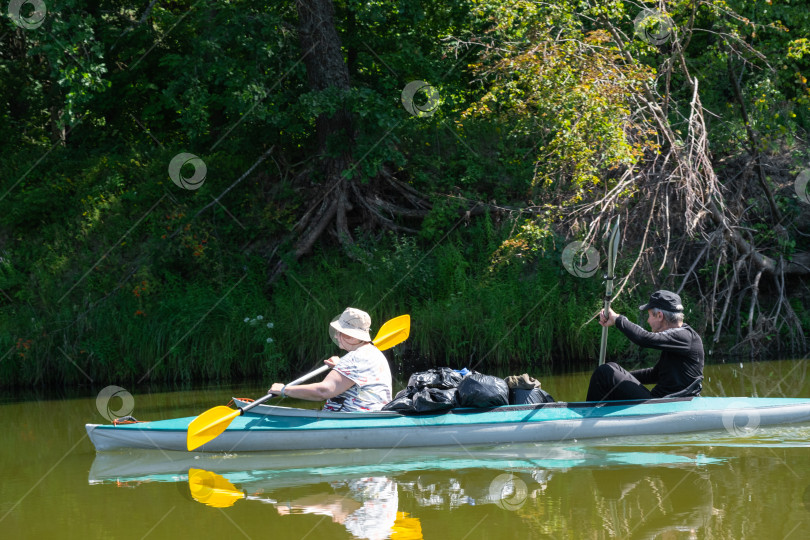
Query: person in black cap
column 679, row 371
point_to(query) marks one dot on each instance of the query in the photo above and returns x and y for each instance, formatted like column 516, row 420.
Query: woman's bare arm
column 331, row 386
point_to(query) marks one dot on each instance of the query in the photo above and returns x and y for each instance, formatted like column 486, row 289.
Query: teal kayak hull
column 271, row 428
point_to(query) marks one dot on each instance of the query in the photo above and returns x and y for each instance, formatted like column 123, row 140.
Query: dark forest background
column 400, row 156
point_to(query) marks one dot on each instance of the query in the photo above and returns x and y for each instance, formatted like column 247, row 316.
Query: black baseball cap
column 666, row 300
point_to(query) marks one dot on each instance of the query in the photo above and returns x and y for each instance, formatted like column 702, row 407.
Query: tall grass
column 529, row 316
column 167, row 309
column 530, row 319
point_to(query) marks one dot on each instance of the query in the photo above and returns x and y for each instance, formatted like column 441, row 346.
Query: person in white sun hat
column 360, row 380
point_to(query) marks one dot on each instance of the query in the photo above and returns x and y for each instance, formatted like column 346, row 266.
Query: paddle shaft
column 603, row 344
column 613, row 247
column 299, row 380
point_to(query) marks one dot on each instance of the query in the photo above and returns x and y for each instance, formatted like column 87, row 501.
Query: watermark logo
column 113, row 402
column 801, row 185
column 28, row 14
column 580, row 259
column 422, row 109
column 654, row 27
column 187, row 182
column 740, row 422
column 508, row 491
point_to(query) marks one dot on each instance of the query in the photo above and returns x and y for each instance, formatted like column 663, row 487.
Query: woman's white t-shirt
column 368, row 369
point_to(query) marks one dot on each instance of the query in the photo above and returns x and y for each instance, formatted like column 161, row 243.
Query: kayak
column 273, row 428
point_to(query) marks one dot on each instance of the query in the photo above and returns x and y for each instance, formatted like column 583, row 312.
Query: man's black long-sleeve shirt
column 681, row 361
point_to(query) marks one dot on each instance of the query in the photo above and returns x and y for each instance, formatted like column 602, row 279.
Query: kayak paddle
column 613, row 248
column 210, row 424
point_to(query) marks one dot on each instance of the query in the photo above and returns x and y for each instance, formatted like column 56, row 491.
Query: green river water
column 753, row 482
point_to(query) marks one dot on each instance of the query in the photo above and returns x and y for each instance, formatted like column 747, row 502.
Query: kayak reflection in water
column 679, row 370
column 359, row 381
column 368, row 510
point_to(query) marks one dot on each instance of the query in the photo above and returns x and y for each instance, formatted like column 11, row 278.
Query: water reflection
column 377, row 496
column 366, row 506
column 636, row 504
column 670, row 502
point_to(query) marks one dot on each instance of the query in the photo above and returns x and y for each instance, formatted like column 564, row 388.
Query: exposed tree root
column 385, row 203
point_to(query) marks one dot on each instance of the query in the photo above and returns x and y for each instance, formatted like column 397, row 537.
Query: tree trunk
column 326, row 68
column 381, row 203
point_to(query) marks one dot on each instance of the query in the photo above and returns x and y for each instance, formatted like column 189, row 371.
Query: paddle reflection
column 214, row 490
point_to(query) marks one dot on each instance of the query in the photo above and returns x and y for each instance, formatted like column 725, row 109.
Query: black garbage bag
column 442, row 377
column 525, row 396
column 479, row 390
column 431, row 390
column 403, row 402
column 434, row 399
column 422, row 400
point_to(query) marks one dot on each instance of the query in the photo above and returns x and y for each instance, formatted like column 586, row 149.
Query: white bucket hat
column 352, row 322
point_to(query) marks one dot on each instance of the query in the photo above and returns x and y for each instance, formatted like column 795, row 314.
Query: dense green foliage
column 110, row 272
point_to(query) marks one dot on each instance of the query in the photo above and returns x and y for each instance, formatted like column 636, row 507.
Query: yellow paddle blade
column 209, row 425
column 393, row 332
column 212, row 489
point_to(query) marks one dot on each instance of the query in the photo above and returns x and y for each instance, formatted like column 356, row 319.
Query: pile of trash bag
column 440, row 389
column 428, row 391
